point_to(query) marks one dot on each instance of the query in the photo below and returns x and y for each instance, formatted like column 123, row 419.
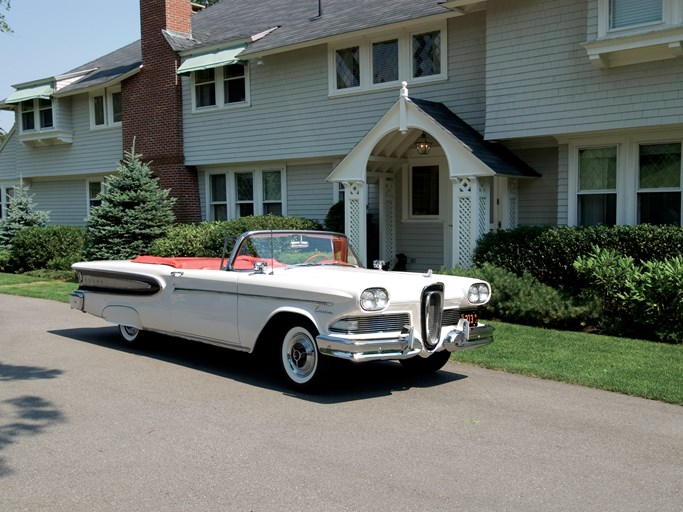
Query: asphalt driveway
column 88, row 425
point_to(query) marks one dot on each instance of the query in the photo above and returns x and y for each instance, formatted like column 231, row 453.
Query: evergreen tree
column 21, row 213
column 134, row 212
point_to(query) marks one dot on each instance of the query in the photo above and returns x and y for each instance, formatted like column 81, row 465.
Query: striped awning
column 44, row 91
column 210, row 60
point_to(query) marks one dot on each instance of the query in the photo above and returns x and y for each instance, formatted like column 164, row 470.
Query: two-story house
column 435, row 121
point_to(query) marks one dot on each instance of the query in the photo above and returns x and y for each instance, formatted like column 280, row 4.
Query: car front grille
column 432, row 313
column 379, row 323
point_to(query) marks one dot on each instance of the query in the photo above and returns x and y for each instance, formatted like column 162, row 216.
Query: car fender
column 122, row 315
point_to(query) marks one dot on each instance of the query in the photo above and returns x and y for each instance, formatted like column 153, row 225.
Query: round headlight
column 374, row 299
column 484, row 292
column 478, row 293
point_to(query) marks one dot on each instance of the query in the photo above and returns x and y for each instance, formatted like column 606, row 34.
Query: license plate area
column 471, row 316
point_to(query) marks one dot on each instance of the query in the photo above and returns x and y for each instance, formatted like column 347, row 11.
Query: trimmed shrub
column 206, row 239
column 524, row 300
column 47, row 247
column 548, row 253
column 334, row 221
column 5, row 257
column 641, row 300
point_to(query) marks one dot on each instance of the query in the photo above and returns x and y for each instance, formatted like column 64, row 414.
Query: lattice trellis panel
column 513, row 203
column 388, row 220
column 483, row 220
column 464, row 192
column 354, row 212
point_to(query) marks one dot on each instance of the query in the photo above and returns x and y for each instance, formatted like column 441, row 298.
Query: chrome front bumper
column 404, row 346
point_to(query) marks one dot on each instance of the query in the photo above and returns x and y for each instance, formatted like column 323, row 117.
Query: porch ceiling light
column 423, row 144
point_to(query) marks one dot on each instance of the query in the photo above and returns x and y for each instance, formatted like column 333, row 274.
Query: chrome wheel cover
column 299, row 355
column 129, row 333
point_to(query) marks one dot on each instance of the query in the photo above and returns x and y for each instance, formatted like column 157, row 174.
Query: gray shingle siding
column 292, row 116
column 540, row 81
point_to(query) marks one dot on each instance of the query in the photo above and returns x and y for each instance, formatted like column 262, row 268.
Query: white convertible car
column 300, row 296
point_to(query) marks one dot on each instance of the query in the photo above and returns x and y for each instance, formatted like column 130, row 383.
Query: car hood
column 402, row 286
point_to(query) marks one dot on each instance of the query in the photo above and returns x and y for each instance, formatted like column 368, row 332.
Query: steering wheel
column 316, row 256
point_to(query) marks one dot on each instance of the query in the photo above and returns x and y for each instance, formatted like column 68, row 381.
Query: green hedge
column 548, row 253
column 643, row 300
column 524, row 300
column 46, row 247
column 207, row 238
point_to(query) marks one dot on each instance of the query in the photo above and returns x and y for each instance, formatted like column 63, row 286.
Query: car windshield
column 281, row 249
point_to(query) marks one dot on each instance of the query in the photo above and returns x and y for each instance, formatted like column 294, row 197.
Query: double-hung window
column 242, row 193
column 36, row 114
column 659, row 183
column 28, row 117
column 597, row 190
column 628, row 181
column 5, row 196
column 93, row 190
column 372, row 63
column 625, row 14
column 221, row 86
column 106, row 108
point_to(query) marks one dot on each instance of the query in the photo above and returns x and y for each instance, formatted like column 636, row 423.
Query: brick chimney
column 152, row 105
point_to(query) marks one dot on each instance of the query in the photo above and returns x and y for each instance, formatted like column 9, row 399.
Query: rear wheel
column 301, row 363
column 130, row 335
column 422, row 366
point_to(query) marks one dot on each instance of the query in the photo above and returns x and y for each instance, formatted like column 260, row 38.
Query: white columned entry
column 355, row 201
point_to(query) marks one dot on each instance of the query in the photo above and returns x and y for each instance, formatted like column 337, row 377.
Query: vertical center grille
column 432, row 313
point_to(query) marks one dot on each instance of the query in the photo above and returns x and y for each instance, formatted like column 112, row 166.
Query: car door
column 203, row 305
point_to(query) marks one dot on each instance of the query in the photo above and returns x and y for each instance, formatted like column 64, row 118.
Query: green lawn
column 634, row 367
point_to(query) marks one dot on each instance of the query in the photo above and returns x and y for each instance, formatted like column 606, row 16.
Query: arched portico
column 443, row 197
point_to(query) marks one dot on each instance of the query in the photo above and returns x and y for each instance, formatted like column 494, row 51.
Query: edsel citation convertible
column 298, row 296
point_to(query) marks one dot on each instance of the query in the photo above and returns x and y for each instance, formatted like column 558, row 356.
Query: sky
column 52, row 37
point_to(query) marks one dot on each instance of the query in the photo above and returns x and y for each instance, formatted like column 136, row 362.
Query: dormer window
column 36, row 113
column 218, row 79
column 28, row 118
column 209, row 93
column 45, row 113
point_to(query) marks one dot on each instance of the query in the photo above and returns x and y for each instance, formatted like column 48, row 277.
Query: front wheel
column 130, row 335
column 422, row 366
column 301, row 363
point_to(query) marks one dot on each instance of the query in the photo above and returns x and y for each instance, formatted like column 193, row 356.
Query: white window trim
column 108, row 95
column 231, row 192
column 36, row 117
column 672, row 15
column 405, row 59
column 627, row 173
column 4, row 199
column 641, row 43
column 89, row 199
column 220, row 97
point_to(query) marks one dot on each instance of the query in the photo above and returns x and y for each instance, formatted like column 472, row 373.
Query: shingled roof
column 496, row 156
column 287, row 24
column 302, row 22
